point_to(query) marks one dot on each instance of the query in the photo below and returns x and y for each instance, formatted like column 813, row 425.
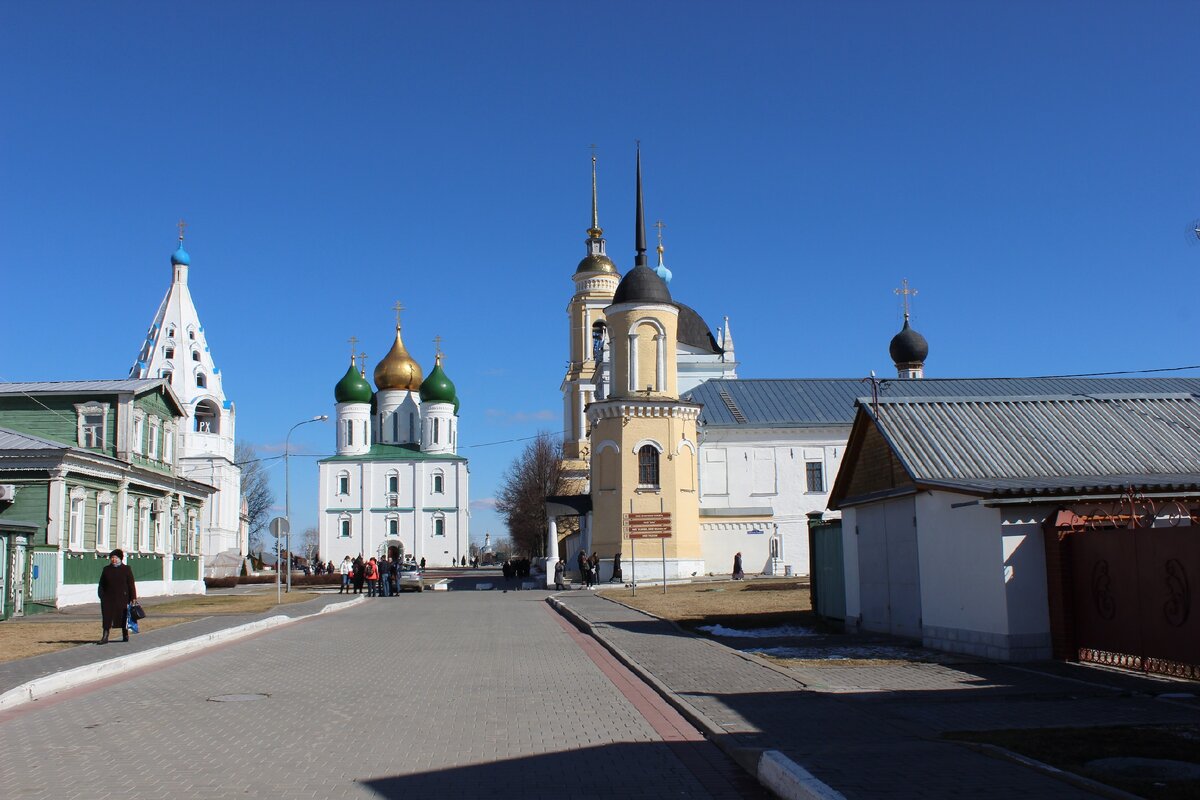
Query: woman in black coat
column 116, row 591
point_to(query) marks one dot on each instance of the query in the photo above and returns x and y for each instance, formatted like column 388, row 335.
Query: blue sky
column 1031, row 168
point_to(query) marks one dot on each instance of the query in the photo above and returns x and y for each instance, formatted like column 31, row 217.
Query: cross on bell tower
column 905, row 292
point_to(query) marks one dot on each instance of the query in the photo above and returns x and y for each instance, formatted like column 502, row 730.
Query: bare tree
column 256, row 490
column 532, row 477
column 310, row 543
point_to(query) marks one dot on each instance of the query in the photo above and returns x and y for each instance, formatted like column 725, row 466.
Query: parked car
column 410, row 578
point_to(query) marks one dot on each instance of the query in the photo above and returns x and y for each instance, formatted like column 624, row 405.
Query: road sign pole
column 663, row 542
column 633, row 563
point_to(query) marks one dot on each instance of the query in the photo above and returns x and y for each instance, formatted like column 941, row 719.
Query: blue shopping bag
column 130, row 622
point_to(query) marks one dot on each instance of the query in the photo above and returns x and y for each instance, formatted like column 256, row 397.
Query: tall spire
column 640, row 231
column 595, row 231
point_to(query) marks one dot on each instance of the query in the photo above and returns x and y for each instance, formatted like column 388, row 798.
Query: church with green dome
column 397, row 486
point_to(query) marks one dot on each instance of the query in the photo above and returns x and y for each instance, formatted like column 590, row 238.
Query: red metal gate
column 1131, row 596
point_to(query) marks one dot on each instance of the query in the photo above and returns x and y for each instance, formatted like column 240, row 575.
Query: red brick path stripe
column 720, row 777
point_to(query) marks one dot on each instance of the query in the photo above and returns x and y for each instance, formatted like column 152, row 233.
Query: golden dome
column 398, row 370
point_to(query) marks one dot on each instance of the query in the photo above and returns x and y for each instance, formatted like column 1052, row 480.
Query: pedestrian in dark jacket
column 738, row 574
column 616, row 576
column 360, row 575
column 116, row 591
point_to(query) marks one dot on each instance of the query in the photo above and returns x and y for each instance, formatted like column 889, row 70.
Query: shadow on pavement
column 649, row 770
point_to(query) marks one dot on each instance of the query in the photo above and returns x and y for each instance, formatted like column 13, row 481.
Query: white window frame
column 78, row 502
column 139, row 430
column 438, row 483
column 143, row 531
column 439, row 521
column 343, row 484
column 103, row 521
column 169, row 444
column 345, row 526
column 152, row 445
column 129, row 530
column 84, row 433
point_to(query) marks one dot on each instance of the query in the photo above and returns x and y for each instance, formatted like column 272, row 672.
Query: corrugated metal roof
column 812, row 402
column 80, row 387
column 1001, row 445
column 14, row 440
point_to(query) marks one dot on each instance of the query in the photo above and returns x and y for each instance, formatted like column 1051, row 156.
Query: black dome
column 641, row 285
column 908, row 346
column 694, row 331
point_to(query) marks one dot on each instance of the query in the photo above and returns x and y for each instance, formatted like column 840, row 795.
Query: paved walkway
column 448, row 694
column 872, row 732
column 14, row 673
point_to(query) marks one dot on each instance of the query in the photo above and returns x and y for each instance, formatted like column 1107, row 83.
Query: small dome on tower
column 353, row 387
column 597, row 262
column 180, row 257
column 641, row 285
column 908, row 346
column 437, row 388
column 398, row 370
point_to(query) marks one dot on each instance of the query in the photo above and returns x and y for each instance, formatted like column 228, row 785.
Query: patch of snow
column 833, row 653
column 757, row 633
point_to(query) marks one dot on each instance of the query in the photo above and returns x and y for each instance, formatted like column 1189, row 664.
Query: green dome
column 353, row 387
column 437, row 388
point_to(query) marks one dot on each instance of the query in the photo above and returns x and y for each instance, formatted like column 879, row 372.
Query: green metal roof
column 395, row 452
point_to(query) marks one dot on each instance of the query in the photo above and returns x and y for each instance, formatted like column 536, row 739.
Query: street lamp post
column 287, row 491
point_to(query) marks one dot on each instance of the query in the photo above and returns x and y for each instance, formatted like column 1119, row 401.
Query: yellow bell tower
column 596, row 280
column 643, row 437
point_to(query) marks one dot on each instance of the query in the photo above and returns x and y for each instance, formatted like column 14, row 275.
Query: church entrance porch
column 392, row 549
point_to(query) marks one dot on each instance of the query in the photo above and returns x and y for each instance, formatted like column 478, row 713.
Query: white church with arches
column 397, row 486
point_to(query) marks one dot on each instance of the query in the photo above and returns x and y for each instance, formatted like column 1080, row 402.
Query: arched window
column 439, row 526
column 648, row 466
column 169, row 351
column 343, row 483
column 208, row 417
column 196, row 356
column 201, row 380
column 439, row 483
column 435, row 430
column 393, row 482
column 171, row 331
column 344, row 526
column 599, row 339
column 393, row 526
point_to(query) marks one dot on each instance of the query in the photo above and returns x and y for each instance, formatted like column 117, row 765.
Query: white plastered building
column 397, row 486
column 176, row 349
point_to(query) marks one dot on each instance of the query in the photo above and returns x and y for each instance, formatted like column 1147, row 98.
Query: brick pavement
column 14, row 673
column 467, row 694
column 881, row 741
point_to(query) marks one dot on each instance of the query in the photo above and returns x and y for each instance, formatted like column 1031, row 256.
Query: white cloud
column 519, row 417
column 484, row 504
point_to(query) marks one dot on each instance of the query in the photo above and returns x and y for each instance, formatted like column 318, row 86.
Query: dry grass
column 212, row 605
column 25, row 639
column 748, row 604
column 33, row 637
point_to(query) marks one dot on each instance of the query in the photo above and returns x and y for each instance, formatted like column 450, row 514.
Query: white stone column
column 551, row 550
column 58, row 499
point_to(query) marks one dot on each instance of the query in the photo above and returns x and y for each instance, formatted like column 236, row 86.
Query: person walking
column 422, row 563
column 616, row 576
column 594, row 563
column 346, row 568
column 116, row 591
column 560, row 566
column 738, row 574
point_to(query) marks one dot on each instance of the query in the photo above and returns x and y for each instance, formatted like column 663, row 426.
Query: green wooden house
column 86, row 467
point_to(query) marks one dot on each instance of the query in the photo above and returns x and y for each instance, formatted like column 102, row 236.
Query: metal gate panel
column 904, row 583
column 44, row 576
column 1134, row 598
column 829, row 573
column 873, row 569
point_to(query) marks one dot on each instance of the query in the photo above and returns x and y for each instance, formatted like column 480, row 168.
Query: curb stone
column 90, row 673
column 771, row 768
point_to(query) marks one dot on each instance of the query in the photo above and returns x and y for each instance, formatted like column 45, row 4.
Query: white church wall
column 765, row 470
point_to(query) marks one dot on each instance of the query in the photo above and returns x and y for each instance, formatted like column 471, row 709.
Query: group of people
column 589, row 570
column 381, row 576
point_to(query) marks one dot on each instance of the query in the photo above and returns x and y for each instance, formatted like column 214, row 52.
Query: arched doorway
column 392, row 549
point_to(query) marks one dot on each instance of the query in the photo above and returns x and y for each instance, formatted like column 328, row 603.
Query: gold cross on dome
column 352, row 341
column 437, row 345
column 398, row 308
column 181, row 225
column 660, row 225
column 905, row 292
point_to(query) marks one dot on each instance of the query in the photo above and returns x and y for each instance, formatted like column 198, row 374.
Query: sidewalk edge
column 771, row 768
column 48, row 685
